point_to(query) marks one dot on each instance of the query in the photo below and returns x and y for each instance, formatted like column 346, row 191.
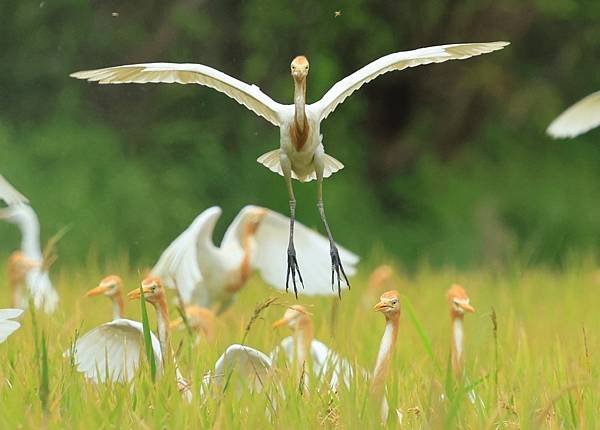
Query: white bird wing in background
column 248, row 95
column 578, row 119
column 9, row 194
column 179, row 262
column 312, row 250
column 7, row 326
column 250, row 366
column 398, row 61
column 114, row 348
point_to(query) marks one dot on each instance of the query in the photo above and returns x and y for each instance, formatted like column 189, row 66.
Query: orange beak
column 135, row 294
column 467, row 307
column 100, row 289
column 280, row 323
column 380, row 307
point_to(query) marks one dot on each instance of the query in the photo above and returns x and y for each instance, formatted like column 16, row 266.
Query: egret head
column 151, row 288
column 459, row 301
column 299, row 68
column 389, row 304
column 295, row 317
column 109, row 286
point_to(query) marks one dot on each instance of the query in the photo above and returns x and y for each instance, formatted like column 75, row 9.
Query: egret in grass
column 578, row 119
column 112, row 350
column 210, row 276
column 459, row 304
column 7, row 325
column 301, row 154
column 26, row 267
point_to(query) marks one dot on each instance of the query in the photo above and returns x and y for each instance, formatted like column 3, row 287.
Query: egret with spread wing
column 209, row 275
column 301, row 154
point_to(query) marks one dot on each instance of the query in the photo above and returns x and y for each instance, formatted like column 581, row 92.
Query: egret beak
column 135, row 294
column 467, row 307
column 380, row 307
column 100, row 289
column 280, row 323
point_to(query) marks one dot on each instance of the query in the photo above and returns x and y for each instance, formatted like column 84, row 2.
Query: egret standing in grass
column 301, row 154
column 211, row 276
column 459, row 304
column 27, row 265
column 578, row 119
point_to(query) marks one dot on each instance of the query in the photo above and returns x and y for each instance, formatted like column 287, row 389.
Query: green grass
column 537, row 369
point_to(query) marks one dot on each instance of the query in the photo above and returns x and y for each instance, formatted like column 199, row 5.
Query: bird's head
column 389, row 304
column 255, row 217
column 151, row 288
column 295, row 317
column 458, row 300
column 109, row 286
column 299, row 68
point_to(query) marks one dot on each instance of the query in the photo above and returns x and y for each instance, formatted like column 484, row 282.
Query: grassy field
column 538, row 369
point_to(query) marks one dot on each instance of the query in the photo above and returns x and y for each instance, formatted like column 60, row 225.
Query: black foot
column 292, row 270
column 336, row 268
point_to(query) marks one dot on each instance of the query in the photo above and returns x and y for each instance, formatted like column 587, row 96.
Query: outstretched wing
column 112, row 351
column 9, row 194
column 248, row 95
column 8, row 327
column 312, row 250
column 398, row 61
column 178, row 264
column 578, row 119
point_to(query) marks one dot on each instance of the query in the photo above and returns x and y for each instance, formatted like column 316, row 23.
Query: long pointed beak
column 135, row 294
column 467, row 307
column 279, row 323
column 380, row 307
column 100, row 289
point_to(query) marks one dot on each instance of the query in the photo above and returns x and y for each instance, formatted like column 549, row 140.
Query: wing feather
column 248, row 95
column 312, row 249
column 399, row 61
column 251, row 366
column 578, row 119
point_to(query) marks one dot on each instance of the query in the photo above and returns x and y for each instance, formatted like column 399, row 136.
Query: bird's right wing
column 112, row 351
column 312, row 250
column 178, row 264
column 9, row 194
column 398, row 61
column 250, row 365
column 578, row 119
column 248, row 95
column 8, row 327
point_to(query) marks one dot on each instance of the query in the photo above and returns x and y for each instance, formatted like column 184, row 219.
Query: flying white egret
column 308, row 354
column 27, row 265
column 578, row 119
column 459, row 304
column 112, row 350
column 207, row 275
column 7, row 325
column 301, row 154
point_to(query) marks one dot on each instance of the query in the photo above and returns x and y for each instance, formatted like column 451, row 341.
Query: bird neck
column 303, row 337
column 118, row 307
column 384, row 357
column 162, row 321
column 299, row 105
column 457, row 343
column 30, row 233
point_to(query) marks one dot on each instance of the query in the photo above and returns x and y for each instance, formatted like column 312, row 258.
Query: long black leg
column 292, row 261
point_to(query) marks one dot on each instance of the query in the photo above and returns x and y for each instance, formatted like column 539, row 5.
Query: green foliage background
column 448, row 163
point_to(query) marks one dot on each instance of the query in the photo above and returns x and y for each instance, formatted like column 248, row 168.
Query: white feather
column 578, row 119
column 8, row 327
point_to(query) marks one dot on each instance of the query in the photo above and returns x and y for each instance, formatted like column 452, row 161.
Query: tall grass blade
column 422, row 335
column 147, row 336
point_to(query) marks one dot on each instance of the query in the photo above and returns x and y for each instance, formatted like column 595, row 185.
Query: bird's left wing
column 248, row 95
column 398, row 61
column 8, row 327
column 312, row 249
column 250, row 365
column 9, row 194
column 578, row 119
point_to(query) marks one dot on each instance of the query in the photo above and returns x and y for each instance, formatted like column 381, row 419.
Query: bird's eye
column 395, row 302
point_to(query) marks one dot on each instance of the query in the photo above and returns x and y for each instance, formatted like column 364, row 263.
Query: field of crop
column 535, row 366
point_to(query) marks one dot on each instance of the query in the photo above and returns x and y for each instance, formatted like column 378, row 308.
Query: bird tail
column 271, row 161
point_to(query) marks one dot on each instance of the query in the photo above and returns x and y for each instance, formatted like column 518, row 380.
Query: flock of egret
column 207, row 277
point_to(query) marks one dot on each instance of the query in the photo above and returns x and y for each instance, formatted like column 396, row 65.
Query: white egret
column 578, row 119
column 207, row 275
column 28, row 267
column 459, row 304
column 301, row 154
column 112, row 350
column 7, row 325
